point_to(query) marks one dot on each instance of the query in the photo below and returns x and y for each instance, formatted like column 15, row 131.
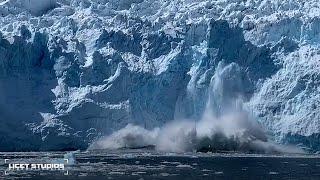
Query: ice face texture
column 74, row 70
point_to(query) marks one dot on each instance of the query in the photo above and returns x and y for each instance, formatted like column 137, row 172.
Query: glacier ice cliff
column 72, row 71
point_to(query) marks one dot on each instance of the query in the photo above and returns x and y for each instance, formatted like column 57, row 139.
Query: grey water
column 148, row 164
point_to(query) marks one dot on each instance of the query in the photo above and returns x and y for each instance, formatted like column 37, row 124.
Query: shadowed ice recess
column 225, row 127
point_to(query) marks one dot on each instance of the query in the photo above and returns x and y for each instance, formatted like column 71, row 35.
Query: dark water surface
column 138, row 164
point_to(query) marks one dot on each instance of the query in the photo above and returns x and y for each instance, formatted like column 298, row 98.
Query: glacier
column 72, row 71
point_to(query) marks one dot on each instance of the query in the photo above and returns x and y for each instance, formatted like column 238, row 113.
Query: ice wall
column 73, row 71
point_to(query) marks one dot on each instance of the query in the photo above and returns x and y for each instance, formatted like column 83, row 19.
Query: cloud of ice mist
column 228, row 132
column 129, row 137
column 233, row 132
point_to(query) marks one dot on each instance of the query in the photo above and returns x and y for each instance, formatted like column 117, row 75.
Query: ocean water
column 148, row 164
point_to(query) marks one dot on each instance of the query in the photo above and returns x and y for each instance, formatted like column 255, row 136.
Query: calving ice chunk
column 228, row 127
column 74, row 74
